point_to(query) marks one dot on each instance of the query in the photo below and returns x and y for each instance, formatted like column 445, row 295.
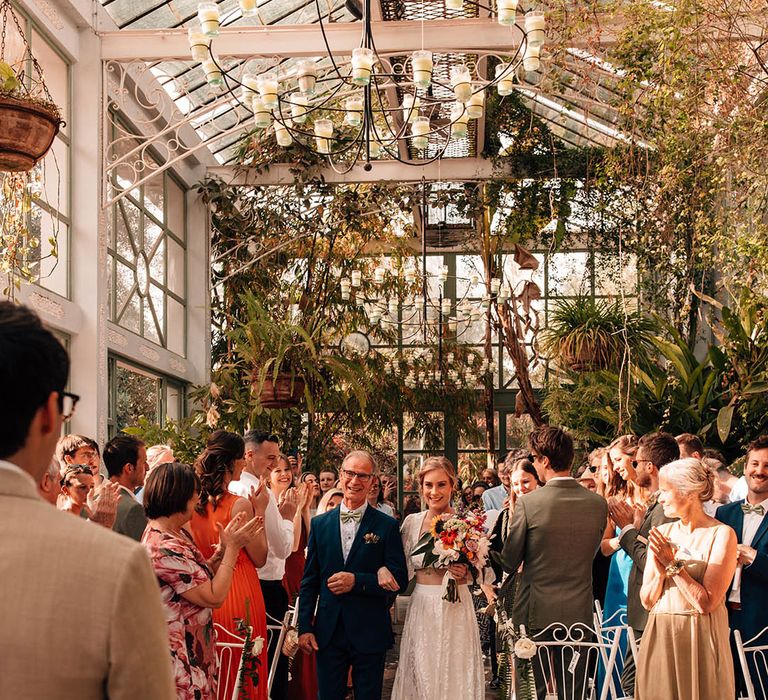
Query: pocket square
column 371, row 538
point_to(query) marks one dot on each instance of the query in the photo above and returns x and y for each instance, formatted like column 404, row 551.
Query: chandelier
column 344, row 112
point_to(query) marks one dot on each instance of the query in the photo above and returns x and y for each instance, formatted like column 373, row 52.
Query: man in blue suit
column 747, row 610
column 347, row 548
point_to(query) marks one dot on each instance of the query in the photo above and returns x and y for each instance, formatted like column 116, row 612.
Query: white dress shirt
column 739, row 490
column 279, row 530
column 349, row 529
column 493, row 499
column 749, row 529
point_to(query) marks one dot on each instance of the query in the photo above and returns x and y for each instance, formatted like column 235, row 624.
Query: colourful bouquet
column 455, row 538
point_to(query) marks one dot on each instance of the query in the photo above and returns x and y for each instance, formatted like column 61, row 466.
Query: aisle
column 391, row 667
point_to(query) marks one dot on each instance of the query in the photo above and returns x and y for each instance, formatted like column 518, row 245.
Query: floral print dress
column 180, row 567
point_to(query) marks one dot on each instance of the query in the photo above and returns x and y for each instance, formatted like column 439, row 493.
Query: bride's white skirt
column 440, row 655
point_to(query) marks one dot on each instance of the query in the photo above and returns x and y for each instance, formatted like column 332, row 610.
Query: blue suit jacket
column 753, row 615
column 364, row 611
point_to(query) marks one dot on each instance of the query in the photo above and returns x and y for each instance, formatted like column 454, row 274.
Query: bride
column 440, row 656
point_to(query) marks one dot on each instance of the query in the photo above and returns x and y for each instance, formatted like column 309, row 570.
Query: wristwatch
column 674, row 568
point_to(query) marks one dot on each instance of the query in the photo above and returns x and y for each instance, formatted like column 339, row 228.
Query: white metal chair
column 569, row 658
column 279, row 628
column 753, row 658
column 229, row 651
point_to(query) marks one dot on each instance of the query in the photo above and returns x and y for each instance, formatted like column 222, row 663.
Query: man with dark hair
column 126, row 459
column 262, row 452
column 78, row 449
column 747, row 611
column 555, row 532
column 690, row 446
column 654, row 450
column 116, row 646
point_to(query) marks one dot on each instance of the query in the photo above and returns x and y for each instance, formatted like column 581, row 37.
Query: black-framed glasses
column 592, row 468
column 67, row 402
column 364, row 478
column 531, row 457
column 635, row 462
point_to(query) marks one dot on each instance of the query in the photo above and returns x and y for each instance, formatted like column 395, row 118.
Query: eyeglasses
column 635, row 462
column 532, row 457
column 592, row 468
column 364, row 478
column 67, row 402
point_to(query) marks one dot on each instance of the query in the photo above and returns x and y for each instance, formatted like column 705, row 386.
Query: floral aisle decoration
column 524, row 649
column 252, row 648
column 455, row 538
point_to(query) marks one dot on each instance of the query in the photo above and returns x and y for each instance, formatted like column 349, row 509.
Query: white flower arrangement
column 258, row 646
column 525, row 648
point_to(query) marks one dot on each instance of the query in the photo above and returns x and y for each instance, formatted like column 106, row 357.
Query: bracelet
column 674, row 568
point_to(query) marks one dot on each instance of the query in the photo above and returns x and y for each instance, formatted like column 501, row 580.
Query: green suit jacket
column 130, row 519
column 555, row 533
column 635, row 543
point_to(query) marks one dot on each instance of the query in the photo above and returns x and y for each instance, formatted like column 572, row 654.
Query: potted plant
column 586, row 334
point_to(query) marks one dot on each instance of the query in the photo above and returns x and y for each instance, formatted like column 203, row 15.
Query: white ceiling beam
column 448, row 170
column 457, row 35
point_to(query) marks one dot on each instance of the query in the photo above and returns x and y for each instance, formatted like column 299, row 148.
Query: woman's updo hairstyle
column 432, row 464
column 217, row 460
column 690, row 476
column 626, row 443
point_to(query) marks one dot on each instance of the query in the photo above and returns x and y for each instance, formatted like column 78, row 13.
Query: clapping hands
column 102, row 503
column 288, row 503
column 662, row 548
column 259, row 498
column 239, row 531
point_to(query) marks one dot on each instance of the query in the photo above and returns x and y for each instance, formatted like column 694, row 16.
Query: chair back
column 276, row 631
column 753, row 659
column 576, row 662
column 229, row 652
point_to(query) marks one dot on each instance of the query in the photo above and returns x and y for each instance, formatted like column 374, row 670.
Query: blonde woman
column 440, row 655
column 685, row 652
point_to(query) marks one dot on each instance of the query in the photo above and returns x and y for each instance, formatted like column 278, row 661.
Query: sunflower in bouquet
column 455, row 538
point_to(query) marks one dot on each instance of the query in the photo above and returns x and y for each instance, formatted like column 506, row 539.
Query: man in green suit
column 554, row 533
column 126, row 459
column 654, row 450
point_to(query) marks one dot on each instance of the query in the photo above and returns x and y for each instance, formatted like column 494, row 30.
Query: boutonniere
column 371, row 538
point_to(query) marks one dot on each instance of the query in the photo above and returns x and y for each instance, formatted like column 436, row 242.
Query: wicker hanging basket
column 27, row 134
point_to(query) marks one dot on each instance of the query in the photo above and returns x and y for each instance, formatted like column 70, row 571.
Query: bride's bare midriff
column 433, row 577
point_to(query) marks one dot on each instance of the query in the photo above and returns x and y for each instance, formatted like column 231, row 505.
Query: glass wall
column 147, row 263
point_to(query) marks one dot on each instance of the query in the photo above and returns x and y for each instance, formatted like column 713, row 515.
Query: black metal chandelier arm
column 325, row 39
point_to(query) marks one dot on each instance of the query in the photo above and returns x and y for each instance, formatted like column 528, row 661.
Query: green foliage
column 9, row 81
column 187, row 437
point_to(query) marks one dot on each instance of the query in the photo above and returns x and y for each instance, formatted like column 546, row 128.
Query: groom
column 347, row 547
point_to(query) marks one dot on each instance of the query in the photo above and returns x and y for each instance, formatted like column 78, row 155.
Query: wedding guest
column 189, row 588
column 327, row 479
column 347, row 547
column 75, row 493
column 556, row 580
column 747, row 611
column 690, row 446
column 448, row 629
column 62, row 636
column 685, row 650
column 315, row 494
column 330, row 500
column 49, row 486
column 376, row 497
column 478, row 489
column 262, row 452
column 654, row 450
column 220, row 463
column 156, row 455
column 493, row 498
column 78, row 449
column 76, row 484
column 125, row 457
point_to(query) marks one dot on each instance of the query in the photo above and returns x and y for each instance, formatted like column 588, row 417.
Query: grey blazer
column 635, row 543
column 130, row 519
column 554, row 533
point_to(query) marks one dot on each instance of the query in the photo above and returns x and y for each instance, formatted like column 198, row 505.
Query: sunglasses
column 67, row 402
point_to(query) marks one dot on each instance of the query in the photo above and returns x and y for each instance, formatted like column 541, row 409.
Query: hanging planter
column 29, row 116
column 284, row 391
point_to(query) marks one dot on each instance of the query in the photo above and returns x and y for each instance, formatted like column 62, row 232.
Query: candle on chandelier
column 475, row 104
column 421, row 63
column 354, row 111
column 248, row 8
column 474, row 279
column 362, row 65
column 445, row 307
column 506, row 10
column 461, row 83
column 199, row 44
column 442, row 275
column 374, row 148
column 504, row 293
column 534, row 27
column 449, row 358
column 213, row 74
column 410, row 275
column 392, row 306
column 299, row 108
column 485, row 304
column 495, row 285
column 208, row 14
column 411, row 106
column 378, row 275
column 282, row 135
column 531, row 61
column 268, row 87
column 454, row 4
column 357, row 278
column 250, row 87
column 262, row 116
column 419, row 131
column 504, row 75
column 459, row 120
column 323, row 134
column 345, row 289
column 306, row 72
